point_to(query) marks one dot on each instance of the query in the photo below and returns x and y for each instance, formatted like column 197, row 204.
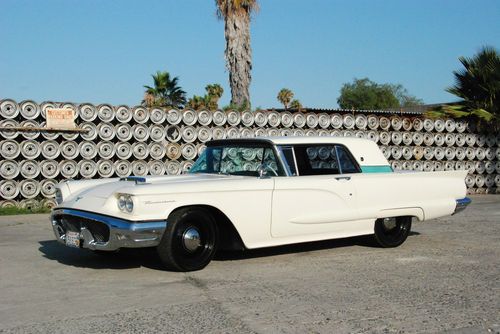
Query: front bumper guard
column 122, row 233
column 461, row 204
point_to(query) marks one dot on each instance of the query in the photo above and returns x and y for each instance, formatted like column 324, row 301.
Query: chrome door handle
column 347, row 178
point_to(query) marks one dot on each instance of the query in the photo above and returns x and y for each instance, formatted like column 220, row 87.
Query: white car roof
column 366, row 152
column 313, row 140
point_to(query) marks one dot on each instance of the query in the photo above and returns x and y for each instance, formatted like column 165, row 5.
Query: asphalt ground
column 444, row 278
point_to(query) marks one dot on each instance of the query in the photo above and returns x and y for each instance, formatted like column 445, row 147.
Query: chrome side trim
column 122, row 233
column 461, row 204
column 295, row 161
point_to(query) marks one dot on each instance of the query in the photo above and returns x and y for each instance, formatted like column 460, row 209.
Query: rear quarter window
column 347, row 163
column 324, row 160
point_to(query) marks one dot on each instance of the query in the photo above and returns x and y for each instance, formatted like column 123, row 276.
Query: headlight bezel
column 125, row 203
column 121, row 202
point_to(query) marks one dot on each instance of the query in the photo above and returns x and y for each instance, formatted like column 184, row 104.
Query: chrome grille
column 99, row 231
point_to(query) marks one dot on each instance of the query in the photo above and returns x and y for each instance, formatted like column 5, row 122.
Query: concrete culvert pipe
column 87, row 168
column 29, row 169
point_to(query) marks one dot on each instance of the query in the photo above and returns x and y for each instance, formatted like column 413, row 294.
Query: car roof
column 314, row 140
column 365, row 151
column 294, row 140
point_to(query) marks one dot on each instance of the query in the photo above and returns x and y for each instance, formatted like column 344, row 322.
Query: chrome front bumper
column 461, row 204
column 100, row 232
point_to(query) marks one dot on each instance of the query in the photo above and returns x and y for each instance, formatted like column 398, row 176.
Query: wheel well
column 415, row 212
column 229, row 238
column 402, row 216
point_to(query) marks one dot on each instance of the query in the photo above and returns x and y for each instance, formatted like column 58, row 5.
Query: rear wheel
column 190, row 240
column 392, row 232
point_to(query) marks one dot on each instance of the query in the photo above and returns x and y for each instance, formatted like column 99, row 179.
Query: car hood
column 108, row 187
column 152, row 193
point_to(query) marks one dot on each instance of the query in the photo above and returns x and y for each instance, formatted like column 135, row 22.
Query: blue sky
column 105, row 51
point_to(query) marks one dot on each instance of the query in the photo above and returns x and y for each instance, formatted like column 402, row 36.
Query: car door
column 320, row 198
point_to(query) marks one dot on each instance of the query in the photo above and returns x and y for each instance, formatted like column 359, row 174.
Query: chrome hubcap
column 191, row 239
column 389, row 223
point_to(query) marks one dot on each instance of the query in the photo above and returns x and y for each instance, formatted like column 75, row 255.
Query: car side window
column 347, row 163
column 317, row 160
column 289, row 159
column 324, row 160
column 270, row 161
column 241, row 160
column 245, row 160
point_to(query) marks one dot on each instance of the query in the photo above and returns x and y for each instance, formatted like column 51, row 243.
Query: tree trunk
column 238, row 57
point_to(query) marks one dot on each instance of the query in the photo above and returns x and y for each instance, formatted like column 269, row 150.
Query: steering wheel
column 268, row 169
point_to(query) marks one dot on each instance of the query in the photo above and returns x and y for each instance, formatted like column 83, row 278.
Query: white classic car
column 251, row 193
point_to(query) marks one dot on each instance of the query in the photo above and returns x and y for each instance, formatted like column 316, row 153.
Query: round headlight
column 122, row 203
column 129, row 204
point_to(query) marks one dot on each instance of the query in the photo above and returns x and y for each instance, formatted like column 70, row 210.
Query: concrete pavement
column 444, row 278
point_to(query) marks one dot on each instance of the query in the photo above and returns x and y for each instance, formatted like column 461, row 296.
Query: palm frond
column 226, row 8
column 478, row 84
column 166, row 91
column 482, row 114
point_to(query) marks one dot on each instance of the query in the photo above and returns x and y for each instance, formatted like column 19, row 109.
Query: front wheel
column 392, row 232
column 190, row 240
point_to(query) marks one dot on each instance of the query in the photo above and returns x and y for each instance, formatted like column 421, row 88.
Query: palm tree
column 478, row 86
column 285, row 96
column 197, row 102
column 479, row 83
column 214, row 93
column 149, row 99
column 236, row 15
column 165, row 93
column 295, row 104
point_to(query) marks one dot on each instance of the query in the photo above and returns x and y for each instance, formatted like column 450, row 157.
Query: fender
column 414, row 212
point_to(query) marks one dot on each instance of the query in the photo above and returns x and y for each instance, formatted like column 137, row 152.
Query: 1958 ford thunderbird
column 251, row 193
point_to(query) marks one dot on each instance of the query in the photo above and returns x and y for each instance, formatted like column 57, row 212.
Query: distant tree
column 208, row 101
column 285, row 96
column 369, row 95
column 197, row 102
column 236, row 15
column 214, row 93
column 478, row 87
column 404, row 98
column 165, row 93
column 239, row 107
column 149, row 99
column 295, row 104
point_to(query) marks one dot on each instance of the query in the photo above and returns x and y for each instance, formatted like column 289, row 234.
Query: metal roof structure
column 353, row 111
column 414, row 110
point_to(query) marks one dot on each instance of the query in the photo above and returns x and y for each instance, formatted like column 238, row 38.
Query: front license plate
column 73, row 239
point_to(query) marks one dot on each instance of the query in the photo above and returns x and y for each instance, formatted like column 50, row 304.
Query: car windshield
column 237, row 160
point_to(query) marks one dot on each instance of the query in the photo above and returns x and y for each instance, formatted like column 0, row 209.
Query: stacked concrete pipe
column 123, row 141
